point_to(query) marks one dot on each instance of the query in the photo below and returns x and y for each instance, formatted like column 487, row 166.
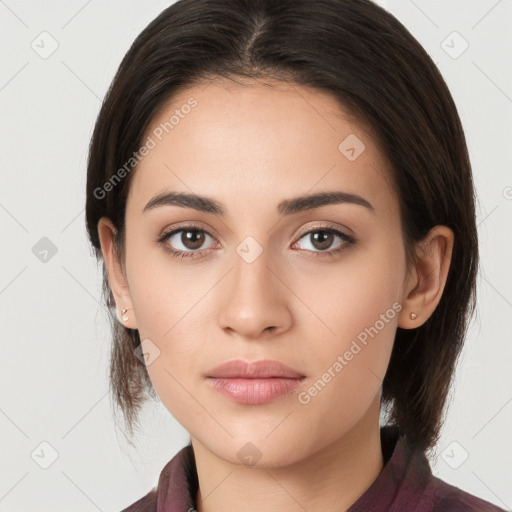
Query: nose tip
column 254, row 301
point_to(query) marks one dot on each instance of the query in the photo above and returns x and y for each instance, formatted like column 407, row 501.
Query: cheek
column 359, row 312
column 162, row 293
column 170, row 306
column 348, row 367
column 356, row 293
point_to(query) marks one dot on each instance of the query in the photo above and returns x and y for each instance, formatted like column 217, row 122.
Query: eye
column 322, row 238
column 185, row 242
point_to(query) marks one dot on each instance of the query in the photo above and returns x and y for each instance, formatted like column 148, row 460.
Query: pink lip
column 254, row 369
column 254, row 383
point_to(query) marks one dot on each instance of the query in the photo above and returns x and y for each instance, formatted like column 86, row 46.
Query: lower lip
column 254, row 391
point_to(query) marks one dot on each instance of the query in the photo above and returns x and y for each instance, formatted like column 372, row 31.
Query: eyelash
column 196, row 254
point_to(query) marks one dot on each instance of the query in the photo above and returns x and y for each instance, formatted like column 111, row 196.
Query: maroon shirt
column 405, row 484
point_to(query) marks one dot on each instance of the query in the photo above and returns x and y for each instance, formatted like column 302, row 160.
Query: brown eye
column 322, row 239
column 185, row 242
column 192, row 239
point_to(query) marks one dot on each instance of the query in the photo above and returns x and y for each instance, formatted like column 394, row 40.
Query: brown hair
column 377, row 70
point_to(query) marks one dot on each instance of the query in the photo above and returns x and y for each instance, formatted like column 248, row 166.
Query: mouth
column 254, row 383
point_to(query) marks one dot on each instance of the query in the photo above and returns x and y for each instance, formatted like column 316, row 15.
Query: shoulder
column 448, row 498
column 145, row 504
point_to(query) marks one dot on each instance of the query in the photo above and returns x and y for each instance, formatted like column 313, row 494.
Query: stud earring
column 413, row 316
column 124, row 316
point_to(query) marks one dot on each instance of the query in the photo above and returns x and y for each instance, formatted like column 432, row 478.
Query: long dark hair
column 380, row 74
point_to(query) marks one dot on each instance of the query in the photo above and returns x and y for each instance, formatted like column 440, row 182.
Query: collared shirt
column 405, row 484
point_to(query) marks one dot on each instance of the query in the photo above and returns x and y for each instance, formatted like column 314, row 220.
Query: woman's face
column 265, row 279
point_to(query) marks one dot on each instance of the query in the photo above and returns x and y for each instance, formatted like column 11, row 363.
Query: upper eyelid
column 332, row 226
column 303, row 231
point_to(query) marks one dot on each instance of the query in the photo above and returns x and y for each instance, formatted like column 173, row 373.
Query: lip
column 254, row 383
column 263, row 369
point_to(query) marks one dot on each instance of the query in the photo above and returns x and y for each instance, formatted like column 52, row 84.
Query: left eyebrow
column 286, row 207
column 299, row 204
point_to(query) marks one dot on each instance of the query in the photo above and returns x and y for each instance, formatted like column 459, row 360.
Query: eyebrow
column 285, row 207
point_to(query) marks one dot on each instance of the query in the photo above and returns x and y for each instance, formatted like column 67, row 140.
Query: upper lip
column 265, row 368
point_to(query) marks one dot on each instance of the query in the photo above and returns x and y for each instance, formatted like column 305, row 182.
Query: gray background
column 55, row 338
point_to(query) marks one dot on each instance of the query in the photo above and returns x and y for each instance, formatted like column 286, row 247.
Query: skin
column 251, row 146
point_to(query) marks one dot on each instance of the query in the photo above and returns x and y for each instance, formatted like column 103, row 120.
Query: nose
column 255, row 301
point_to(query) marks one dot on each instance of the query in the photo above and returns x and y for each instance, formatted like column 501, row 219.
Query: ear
column 427, row 278
column 116, row 278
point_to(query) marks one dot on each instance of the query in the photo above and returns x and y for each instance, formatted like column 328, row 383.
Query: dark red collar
column 405, row 484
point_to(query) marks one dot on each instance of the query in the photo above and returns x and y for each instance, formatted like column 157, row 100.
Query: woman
column 281, row 196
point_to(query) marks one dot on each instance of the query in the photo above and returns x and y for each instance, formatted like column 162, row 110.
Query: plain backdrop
column 59, row 448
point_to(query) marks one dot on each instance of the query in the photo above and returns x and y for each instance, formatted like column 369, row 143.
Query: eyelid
column 327, row 225
column 183, row 227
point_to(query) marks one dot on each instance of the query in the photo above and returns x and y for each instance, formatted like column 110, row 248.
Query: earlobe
column 426, row 282
column 116, row 276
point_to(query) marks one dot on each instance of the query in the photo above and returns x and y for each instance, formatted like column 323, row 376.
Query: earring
column 124, row 317
column 413, row 316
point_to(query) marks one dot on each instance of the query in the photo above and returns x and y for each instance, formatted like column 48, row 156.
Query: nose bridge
column 252, row 276
column 255, row 299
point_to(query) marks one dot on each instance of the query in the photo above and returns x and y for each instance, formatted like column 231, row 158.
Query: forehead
column 251, row 142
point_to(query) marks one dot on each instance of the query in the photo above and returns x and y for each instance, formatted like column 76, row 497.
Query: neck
column 329, row 480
